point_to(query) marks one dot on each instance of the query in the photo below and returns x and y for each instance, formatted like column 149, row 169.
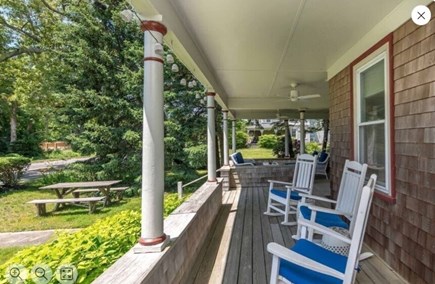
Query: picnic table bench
column 65, row 188
column 118, row 190
column 41, row 208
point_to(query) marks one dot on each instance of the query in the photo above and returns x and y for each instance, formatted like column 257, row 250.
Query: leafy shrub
column 91, row 250
column 268, row 141
column 197, row 156
column 28, row 146
column 241, row 139
column 176, row 175
column 279, row 149
column 311, row 147
column 12, row 168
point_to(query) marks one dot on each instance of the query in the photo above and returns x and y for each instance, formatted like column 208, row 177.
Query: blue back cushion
column 239, row 158
column 323, row 156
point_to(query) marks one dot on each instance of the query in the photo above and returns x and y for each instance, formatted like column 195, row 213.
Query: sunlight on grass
column 256, row 153
column 22, row 217
column 6, row 253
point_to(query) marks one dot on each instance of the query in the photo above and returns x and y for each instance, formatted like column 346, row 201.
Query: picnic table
column 65, row 188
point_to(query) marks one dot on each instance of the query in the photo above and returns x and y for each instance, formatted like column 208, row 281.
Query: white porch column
column 152, row 139
column 225, row 130
column 233, row 142
column 302, row 121
column 211, row 138
column 286, row 140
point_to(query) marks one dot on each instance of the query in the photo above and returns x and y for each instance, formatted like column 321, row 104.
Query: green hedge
column 12, row 168
column 268, row 141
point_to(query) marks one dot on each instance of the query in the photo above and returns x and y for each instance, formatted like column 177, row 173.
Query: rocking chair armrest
column 323, row 209
column 304, row 195
column 280, row 182
column 302, row 190
column 300, row 260
column 323, row 230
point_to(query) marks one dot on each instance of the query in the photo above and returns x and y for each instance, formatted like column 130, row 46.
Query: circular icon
column 16, row 273
column 66, row 274
column 421, row 15
column 41, row 273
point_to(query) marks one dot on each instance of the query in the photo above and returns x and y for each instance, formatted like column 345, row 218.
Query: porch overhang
column 248, row 52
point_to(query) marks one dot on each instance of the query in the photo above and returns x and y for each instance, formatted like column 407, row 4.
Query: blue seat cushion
column 239, row 158
column 283, row 193
column 323, row 156
column 298, row 274
column 325, row 219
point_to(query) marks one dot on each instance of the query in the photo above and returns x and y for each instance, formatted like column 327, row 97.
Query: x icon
column 420, row 15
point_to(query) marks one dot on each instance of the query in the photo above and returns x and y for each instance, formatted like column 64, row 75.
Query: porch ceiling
column 249, row 51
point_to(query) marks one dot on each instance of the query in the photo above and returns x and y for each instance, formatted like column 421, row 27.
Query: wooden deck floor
column 236, row 252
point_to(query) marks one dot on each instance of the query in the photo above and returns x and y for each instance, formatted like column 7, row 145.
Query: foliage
column 311, row 147
column 91, row 250
column 268, row 141
column 241, row 139
column 184, row 175
column 279, row 149
column 197, row 156
column 57, row 155
column 8, row 252
column 12, row 168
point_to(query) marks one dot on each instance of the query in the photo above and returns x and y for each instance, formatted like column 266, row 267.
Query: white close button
column 421, row 15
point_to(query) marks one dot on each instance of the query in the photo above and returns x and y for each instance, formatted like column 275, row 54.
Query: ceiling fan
column 294, row 94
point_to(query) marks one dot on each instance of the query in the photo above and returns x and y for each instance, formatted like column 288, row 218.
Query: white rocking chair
column 307, row 262
column 285, row 202
column 349, row 193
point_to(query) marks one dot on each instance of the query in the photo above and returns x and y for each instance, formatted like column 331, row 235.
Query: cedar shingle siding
column 403, row 234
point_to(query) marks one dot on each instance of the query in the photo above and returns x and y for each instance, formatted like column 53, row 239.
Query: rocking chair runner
column 284, row 202
column 307, row 262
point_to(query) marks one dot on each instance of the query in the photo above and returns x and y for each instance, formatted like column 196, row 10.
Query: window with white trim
column 372, row 141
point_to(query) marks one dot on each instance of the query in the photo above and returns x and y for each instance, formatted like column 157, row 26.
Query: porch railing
column 180, row 185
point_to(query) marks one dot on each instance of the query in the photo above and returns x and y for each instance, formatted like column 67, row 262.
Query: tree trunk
column 13, row 122
column 325, row 133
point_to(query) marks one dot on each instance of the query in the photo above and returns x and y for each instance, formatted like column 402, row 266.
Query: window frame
column 383, row 50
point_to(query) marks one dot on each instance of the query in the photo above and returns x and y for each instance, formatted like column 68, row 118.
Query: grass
column 256, row 153
column 6, row 253
column 20, row 216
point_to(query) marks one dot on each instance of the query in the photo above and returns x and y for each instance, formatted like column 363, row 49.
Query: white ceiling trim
column 390, row 23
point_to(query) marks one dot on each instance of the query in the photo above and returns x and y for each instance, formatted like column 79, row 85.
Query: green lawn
column 256, row 153
column 6, row 253
column 19, row 216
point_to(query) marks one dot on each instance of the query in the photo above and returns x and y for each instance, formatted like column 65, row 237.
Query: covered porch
column 235, row 251
column 290, row 60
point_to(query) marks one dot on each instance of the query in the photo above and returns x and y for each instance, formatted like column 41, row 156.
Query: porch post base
column 152, row 245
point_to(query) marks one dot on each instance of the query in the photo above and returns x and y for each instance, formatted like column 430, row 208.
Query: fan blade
column 309, row 96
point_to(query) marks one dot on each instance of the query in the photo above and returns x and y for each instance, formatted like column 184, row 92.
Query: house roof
column 249, row 51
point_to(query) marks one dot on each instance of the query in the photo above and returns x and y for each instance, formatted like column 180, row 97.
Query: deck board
column 240, row 254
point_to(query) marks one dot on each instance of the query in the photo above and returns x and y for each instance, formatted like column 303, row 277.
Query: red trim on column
column 387, row 39
column 211, row 94
column 153, row 26
column 153, row 59
column 154, row 241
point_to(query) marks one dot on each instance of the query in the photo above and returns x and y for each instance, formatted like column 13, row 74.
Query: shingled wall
column 402, row 233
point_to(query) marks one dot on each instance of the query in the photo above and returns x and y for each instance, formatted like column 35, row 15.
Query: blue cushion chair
column 307, row 262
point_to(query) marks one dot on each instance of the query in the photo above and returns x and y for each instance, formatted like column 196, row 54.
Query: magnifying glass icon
column 40, row 273
column 14, row 272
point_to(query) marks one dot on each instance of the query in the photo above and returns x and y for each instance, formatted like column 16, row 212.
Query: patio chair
column 349, row 193
column 322, row 164
column 307, row 262
column 303, row 181
column 238, row 160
